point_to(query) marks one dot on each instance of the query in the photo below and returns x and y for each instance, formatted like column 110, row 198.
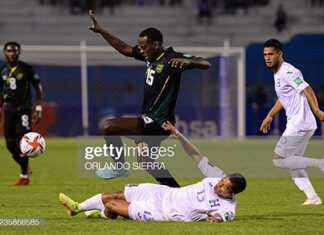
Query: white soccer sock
column 103, row 214
column 302, row 181
column 93, row 203
column 24, row 176
column 296, row 162
column 310, row 192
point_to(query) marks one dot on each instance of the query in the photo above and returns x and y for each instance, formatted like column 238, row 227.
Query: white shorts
column 293, row 143
column 146, row 201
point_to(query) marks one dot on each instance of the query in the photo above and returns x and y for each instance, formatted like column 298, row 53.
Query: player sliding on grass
column 295, row 96
column 211, row 199
column 162, row 82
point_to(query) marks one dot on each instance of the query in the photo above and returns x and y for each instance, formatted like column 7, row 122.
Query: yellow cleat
column 93, row 214
column 72, row 206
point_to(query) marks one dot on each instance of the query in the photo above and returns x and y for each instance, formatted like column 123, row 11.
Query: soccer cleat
column 93, row 214
column 22, row 181
column 313, row 201
column 73, row 207
column 107, row 173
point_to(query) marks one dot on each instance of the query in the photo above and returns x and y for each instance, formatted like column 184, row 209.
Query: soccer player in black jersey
column 162, row 82
column 15, row 100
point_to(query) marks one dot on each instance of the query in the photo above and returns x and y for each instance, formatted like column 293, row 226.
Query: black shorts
column 16, row 123
column 154, row 132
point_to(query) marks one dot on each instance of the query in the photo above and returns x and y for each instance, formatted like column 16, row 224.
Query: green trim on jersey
column 160, row 93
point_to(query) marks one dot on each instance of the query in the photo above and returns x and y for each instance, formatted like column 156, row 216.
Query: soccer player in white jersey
column 211, row 199
column 296, row 97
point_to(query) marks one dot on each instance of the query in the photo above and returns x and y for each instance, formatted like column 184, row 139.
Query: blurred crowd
column 204, row 6
column 82, row 6
column 227, row 7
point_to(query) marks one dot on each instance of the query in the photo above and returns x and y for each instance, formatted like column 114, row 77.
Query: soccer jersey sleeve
column 186, row 56
column 32, row 75
column 209, row 170
column 296, row 80
column 136, row 54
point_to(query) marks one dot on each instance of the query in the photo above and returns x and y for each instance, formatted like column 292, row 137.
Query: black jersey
column 162, row 85
column 16, row 85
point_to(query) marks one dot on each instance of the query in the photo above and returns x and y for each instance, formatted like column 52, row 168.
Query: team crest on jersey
column 298, row 81
column 159, row 68
column 4, row 77
column 20, row 76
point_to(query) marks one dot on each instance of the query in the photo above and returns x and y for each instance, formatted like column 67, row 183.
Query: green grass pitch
column 271, row 203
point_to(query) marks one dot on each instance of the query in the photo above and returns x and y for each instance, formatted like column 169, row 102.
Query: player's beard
column 274, row 66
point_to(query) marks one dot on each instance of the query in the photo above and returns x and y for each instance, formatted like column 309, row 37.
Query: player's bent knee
column 277, row 162
column 111, row 205
column 108, row 127
column 106, row 197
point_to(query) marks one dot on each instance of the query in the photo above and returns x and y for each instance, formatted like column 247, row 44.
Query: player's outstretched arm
column 197, row 62
column 39, row 97
column 309, row 93
column 191, row 150
column 265, row 126
column 115, row 42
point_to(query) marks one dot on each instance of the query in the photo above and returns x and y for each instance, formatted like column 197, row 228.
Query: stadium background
column 271, row 203
column 115, row 84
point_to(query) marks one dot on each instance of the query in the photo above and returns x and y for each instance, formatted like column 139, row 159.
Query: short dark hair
column 238, row 182
column 273, row 43
column 153, row 34
column 11, row 43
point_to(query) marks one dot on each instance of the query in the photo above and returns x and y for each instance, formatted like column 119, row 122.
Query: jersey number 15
column 149, row 77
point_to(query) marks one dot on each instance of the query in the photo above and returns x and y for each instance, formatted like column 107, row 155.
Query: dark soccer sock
column 164, row 177
column 13, row 149
column 116, row 142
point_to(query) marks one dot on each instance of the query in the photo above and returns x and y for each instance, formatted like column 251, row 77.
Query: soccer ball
column 32, row 144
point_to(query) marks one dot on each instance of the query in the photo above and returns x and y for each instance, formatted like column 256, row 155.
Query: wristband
column 38, row 108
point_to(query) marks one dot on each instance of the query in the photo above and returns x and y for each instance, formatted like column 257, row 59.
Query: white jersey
column 191, row 203
column 289, row 86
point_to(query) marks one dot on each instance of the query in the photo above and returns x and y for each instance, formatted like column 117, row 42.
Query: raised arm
column 191, row 150
column 309, row 93
column 115, row 42
column 265, row 126
column 196, row 62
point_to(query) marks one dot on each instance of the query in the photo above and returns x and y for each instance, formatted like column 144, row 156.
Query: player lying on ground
column 211, row 199
column 162, row 84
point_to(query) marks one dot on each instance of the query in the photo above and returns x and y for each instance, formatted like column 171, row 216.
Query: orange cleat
column 22, row 181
